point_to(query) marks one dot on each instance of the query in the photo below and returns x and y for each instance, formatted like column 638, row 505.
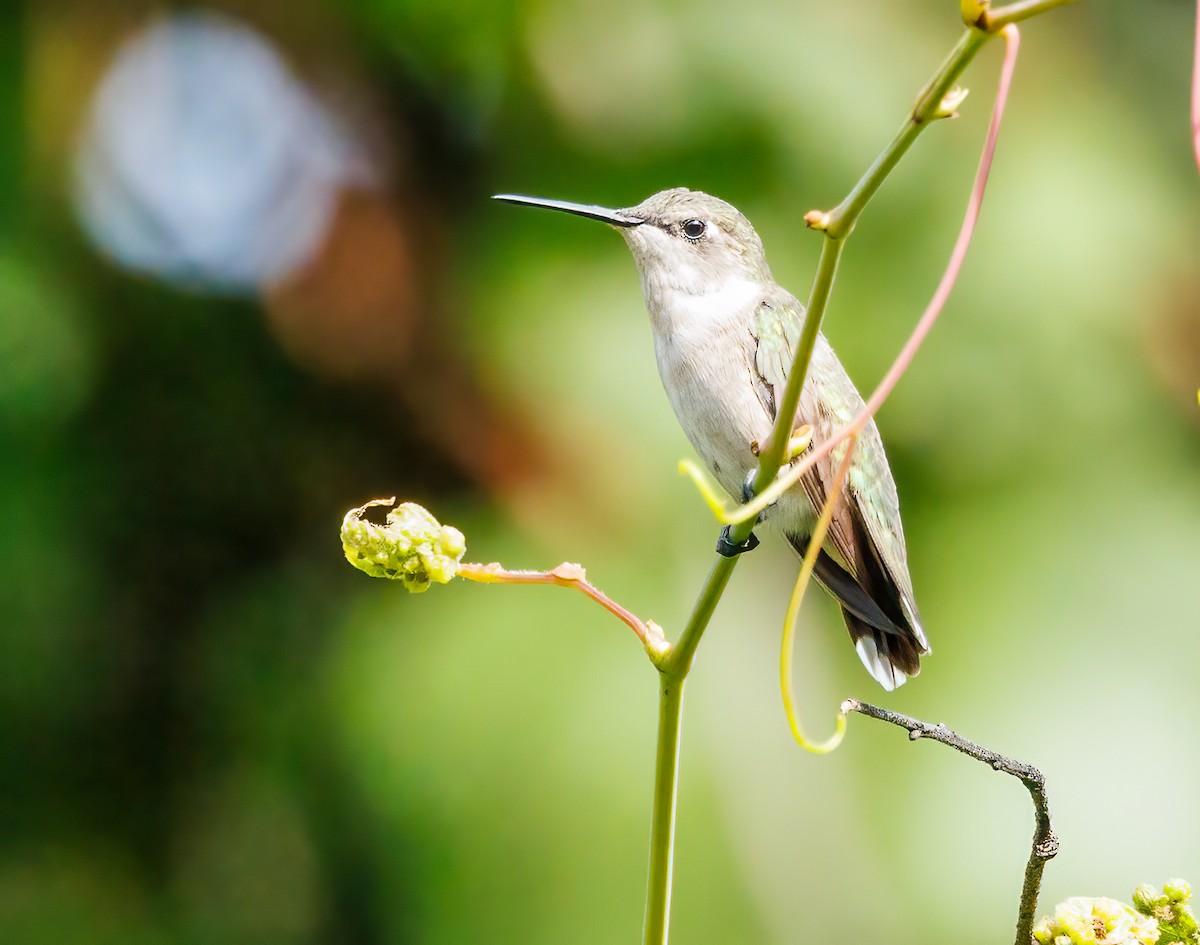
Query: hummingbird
column 724, row 338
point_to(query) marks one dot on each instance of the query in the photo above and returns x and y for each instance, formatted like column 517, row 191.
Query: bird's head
column 682, row 240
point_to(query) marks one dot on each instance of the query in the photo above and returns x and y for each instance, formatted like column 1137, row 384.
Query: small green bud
column 1177, row 890
column 1170, row 910
column 1146, row 899
column 974, row 12
column 948, row 107
column 411, row 546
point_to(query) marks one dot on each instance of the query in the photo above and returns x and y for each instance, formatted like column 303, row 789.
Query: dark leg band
column 728, row 549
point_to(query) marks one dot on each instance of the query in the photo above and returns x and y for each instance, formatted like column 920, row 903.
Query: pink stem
column 565, row 575
column 1012, row 44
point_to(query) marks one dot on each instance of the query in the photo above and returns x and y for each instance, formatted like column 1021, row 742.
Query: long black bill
column 603, row 214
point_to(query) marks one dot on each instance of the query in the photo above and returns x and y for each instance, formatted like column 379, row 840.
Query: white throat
column 691, row 305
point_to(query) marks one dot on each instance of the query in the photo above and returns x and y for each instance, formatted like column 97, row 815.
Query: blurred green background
column 213, row 730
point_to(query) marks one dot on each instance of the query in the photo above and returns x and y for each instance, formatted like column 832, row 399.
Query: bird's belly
column 720, row 420
column 715, row 402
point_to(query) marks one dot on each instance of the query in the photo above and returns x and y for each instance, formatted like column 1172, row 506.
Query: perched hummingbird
column 724, row 337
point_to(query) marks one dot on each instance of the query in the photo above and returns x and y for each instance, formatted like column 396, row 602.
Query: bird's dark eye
column 693, row 229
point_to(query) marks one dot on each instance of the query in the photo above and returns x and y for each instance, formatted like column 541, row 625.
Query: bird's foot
column 728, row 549
column 748, row 492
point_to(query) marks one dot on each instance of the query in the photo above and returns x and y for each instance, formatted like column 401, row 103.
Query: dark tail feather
column 888, row 646
column 889, row 656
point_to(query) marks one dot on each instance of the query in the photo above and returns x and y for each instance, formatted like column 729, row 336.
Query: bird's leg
column 724, row 545
column 748, row 492
column 728, row 549
column 799, row 442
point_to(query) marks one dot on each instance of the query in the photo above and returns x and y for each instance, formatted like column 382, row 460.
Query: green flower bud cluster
column 1170, row 910
column 1158, row 918
column 1084, row 921
column 411, row 546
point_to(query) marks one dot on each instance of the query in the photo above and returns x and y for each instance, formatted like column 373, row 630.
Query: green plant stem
column 930, row 100
column 839, row 223
column 771, row 458
column 675, row 662
column 673, row 670
column 678, row 661
column 997, row 19
column 662, row 825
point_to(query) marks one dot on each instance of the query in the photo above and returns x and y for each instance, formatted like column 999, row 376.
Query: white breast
column 705, row 353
